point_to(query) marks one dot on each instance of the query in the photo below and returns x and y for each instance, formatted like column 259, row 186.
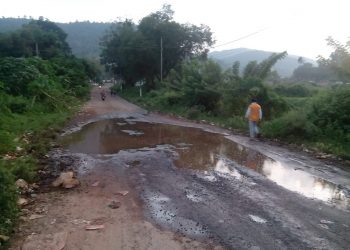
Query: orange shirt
column 254, row 112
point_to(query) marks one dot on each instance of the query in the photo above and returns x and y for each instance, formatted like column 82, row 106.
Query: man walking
column 254, row 115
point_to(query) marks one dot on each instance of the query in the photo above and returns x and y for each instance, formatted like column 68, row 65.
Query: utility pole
column 161, row 59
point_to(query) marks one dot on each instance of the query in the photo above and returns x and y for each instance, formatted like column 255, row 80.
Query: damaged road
column 185, row 185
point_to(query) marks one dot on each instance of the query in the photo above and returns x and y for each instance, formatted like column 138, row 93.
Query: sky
column 298, row 26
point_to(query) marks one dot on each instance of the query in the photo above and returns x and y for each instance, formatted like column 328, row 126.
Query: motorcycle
column 103, row 96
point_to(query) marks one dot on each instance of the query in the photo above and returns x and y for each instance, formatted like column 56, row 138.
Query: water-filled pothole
column 200, row 150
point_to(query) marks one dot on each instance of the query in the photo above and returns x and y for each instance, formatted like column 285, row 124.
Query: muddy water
column 199, row 150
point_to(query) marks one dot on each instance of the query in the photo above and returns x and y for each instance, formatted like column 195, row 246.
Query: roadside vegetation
column 41, row 84
column 311, row 108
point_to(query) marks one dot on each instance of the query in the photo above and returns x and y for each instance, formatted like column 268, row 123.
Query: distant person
column 254, row 115
column 103, row 95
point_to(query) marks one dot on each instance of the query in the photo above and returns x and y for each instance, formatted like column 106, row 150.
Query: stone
column 94, row 227
column 122, row 192
column 66, row 180
column 22, row 184
column 36, row 216
column 115, row 204
column 4, row 237
column 71, row 183
column 95, row 184
column 22, row 202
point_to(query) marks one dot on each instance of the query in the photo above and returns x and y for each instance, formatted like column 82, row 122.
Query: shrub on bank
column 35, row 95
column 8, row 200
column 292, row 125
column 324, row 123
column 331, row 112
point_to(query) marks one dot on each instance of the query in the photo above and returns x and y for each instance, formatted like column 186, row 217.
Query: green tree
column 134, row 51
column 259, row 70
column 39, row 37
column 237, row 91
column 308, row 72
column 235, row 69
column 193, row 84
column 339, row 60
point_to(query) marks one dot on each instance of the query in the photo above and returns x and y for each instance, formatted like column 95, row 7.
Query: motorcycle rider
column 103, row 95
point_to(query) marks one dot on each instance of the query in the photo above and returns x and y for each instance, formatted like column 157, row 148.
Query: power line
column 177, row 47
column 241, row 38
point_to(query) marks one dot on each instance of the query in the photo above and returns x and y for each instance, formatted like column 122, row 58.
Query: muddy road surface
column 184, row 185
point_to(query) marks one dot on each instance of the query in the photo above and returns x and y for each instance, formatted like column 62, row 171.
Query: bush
column 206, row 98
column 115, row 88
column 297, row 102
column 17, row 73
column 17, row 104
column 273, row 106
column 194, row 112
column 8, row 200
column 171, row 98
column 163, row 98
column 237, row 122
column 331, row 111
column 292, row 125
column 23, row 168
column 295, row 90
column 6, row 141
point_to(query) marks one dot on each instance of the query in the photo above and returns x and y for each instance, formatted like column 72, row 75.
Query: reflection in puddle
column 198, row 150
column 223, row 168
column 132, row 132
column 300, row 181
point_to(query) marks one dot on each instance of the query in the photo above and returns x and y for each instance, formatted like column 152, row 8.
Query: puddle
column 199, row 150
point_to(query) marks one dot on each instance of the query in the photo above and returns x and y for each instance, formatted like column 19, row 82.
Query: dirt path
column 170, row 207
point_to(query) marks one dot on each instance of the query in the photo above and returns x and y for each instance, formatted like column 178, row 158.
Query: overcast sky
column 298, row 26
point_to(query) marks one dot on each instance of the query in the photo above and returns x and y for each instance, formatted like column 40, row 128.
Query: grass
column 237, row 123
column 24, row 139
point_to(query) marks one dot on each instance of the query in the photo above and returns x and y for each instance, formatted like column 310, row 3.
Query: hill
column 82, row 37
column 284, row 67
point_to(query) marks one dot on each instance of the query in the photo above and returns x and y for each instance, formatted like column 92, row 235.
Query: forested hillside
column 283, row 67
column 82, row 37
